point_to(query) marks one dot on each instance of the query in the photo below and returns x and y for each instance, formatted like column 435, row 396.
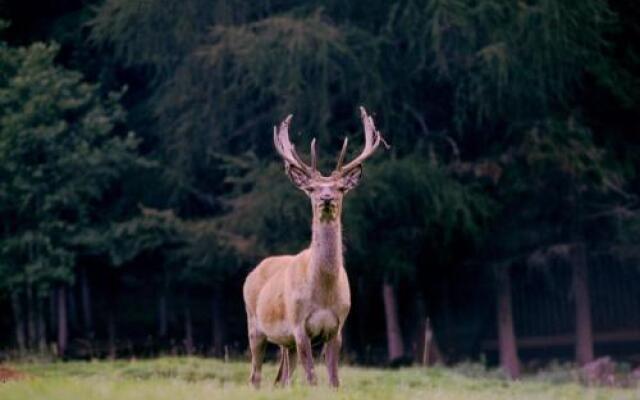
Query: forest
column 139, row 183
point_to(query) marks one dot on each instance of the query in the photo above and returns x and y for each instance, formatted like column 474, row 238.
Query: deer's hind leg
column 283, row 369
column 293, row 360
column 257, row 344
column 287, row 366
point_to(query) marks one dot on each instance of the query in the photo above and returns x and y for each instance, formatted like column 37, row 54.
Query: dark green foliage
column 512, row 124
column 151, row 231
column 152, row 34
column 277, row 65
column 59, row 155
column 265, row 209
column 516, row 60
column 581, row 186
column 413, row 208
column 190, row 252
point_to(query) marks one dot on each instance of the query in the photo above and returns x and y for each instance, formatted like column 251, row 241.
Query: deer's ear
column 298, row 177
column 351, row 178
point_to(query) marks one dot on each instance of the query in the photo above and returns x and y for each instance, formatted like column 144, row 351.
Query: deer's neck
column 326, row 249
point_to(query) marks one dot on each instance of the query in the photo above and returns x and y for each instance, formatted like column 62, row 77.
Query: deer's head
column 326, row 192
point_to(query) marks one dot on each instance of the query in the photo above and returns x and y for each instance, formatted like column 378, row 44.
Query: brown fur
column 284, row 295
column 294, row 299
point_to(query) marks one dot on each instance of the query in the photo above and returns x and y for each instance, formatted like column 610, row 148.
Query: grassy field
column 195, row 378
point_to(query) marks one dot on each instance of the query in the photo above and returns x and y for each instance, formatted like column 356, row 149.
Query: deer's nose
column 326, row 197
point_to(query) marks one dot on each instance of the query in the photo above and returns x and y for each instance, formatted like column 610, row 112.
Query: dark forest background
column 139, row 183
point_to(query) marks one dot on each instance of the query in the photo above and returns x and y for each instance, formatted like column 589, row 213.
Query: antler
column 372, row 139
column 287, row 149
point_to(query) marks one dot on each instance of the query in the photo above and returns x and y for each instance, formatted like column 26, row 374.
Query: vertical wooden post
column 580, row 283
column 395, row 343
column 506, row 333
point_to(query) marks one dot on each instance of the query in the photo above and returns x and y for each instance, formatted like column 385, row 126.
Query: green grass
column 195, row 378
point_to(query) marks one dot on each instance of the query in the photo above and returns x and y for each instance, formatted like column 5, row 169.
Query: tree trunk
column 41, row 326
column 63, row 333
column 18, row 318
column 361, row 321
column 217, row 321
column 72, row 309
column 113, row 285
column 52, row 314
column 32, row 332
column 85, row 292
column 347, row 342
column 580, row 283
column 506, row 334
column 188, row 329
column 395, row 346
column 111, row 333
column 162, row 314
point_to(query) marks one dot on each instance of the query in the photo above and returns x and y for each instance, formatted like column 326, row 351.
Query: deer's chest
column 327, row 302
column 327, row 311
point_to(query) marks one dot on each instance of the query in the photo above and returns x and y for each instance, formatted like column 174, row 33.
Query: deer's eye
column 342, row 189
column 310, row 189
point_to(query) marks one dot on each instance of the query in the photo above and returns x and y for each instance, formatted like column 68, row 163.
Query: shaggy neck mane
column 326, row 248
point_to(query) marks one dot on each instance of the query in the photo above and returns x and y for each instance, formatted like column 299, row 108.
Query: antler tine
column 343, row 152
column 314, row 156
column 372, row 140
column 287, row 150
column 277, row 139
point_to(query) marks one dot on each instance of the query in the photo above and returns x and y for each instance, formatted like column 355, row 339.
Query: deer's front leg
column 257, row 344
column 305, row 355
column 331, row 357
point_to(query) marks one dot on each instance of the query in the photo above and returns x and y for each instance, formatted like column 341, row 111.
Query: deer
column 294, row 300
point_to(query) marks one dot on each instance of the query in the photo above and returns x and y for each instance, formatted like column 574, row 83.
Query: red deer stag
column 294, row 299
